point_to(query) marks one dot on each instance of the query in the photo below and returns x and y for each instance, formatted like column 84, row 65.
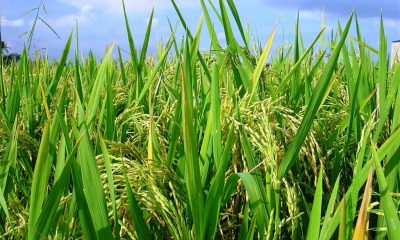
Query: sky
column 101, row 23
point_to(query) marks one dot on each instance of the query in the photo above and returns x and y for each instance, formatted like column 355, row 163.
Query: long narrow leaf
column 315, row 102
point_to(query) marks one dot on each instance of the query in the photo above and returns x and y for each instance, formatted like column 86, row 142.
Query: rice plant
column 237, row 142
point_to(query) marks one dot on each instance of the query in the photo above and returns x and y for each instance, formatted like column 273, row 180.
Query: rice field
column 236, row 142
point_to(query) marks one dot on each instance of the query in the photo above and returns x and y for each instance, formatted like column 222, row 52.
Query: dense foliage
column 203, row 145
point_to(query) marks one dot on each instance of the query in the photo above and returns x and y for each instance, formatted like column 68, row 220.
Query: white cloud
column 387, row 23
column 343, row 8
column 69, row 20
column 88, row 12
column 221, row 36
column 311, row 15
column 141, row 7
column 144, row 7
column 11, row 23
column 392, row 23
column 86, row 8
column 154, row 23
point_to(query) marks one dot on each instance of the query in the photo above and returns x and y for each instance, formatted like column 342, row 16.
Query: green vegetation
column 203, row 145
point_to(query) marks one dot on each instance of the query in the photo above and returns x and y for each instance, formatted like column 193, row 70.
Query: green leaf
column 210, row 27
column 91, row 181
column 110, row 181
column 192, row 169
column 39, row 182
column 316, row 101
column 189, row 35
column 95, row 95
column 389, row 209
column 48, row 214
column 214, row 199
column 329, row 209
column 315, row 217
column 257, row 201
column 236, row 16
column 216, row 116
column 382, row 64
column 230, row 39
column 145, row 44
column 78, row 81
column 293, row 70
column 155, row 71
column 261, row 63
column 392, row 143
column 130, row 40
column 140, row 225
column 3, row 204
column 10, row 157
column 61, row 64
